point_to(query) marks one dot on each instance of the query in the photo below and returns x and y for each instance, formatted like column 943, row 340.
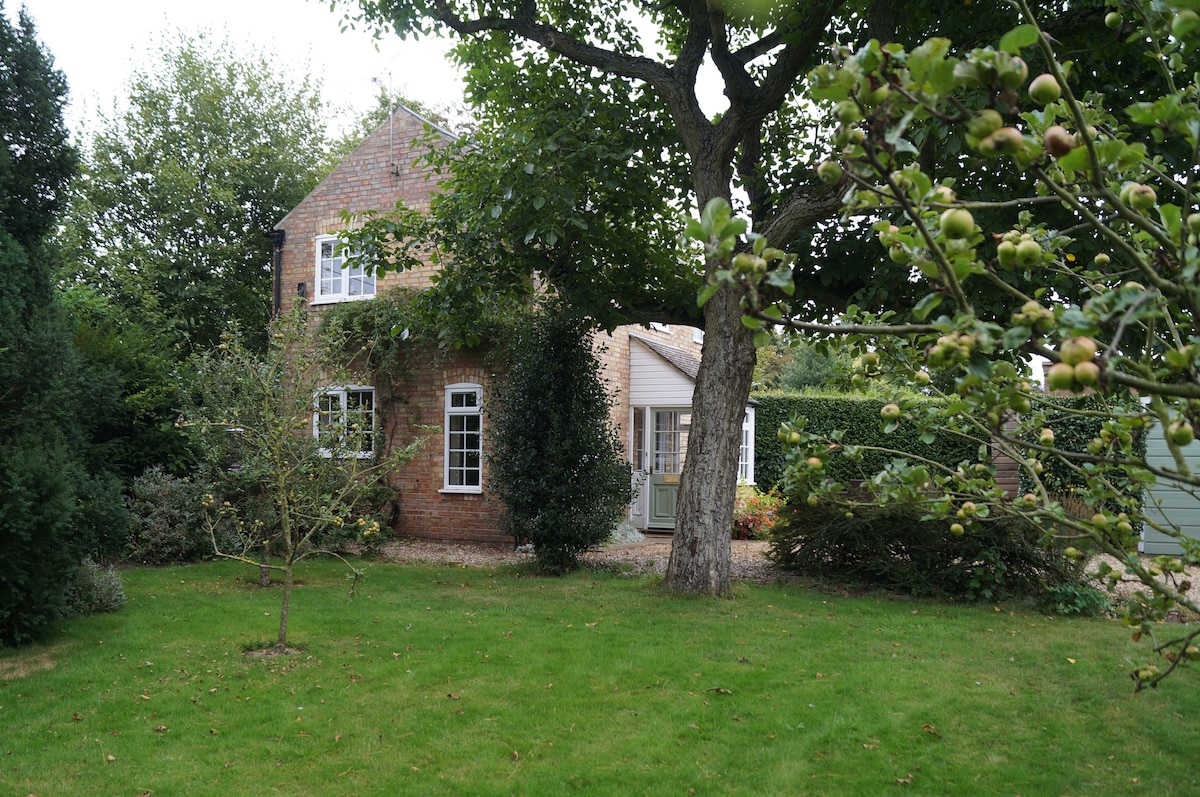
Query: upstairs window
column 344, row 421
column 464, row 439
column 335, row 283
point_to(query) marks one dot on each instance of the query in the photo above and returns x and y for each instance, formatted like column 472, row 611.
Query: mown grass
column 446, row 680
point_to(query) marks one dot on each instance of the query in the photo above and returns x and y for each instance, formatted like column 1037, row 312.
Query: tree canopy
column 169, row 219
column 1087, row 257
column 56, row 500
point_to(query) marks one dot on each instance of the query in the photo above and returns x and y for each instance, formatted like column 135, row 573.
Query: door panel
column 669, row 435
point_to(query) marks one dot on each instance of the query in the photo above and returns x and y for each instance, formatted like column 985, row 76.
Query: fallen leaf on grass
column 871, row 745
column 76, row 718
column 161, row 728
column 1071, row 660
column 453, row 696
column 930, row 729
column 720, row 690
column 906, row 779
column 110, row 758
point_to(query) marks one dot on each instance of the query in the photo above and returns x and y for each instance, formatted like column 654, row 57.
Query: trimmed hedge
column 859, row 416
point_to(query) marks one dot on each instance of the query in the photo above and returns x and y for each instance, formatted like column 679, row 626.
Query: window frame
column 343, row 392
column 451, row 414
column 746, row 449
column 345, row 275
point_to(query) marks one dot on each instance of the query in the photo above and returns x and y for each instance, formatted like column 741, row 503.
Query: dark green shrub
column 892, row 547
column 94, row 589
column 39, row 549
column 555, row 459
column 1074, row 598
column 166, row 520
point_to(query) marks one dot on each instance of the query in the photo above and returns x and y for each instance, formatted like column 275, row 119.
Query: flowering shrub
column 754, row 513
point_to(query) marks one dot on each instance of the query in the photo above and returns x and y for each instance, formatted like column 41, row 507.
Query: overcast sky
column 97, row 44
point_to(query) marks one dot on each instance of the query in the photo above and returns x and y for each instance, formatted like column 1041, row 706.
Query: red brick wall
column 423, row 510
column 381, row 172
column 377, row 175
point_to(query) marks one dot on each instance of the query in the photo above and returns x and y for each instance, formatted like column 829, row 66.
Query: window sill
column 461, row 491
column 338, row 299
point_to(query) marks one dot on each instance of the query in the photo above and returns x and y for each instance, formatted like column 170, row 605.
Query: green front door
column 669, row 433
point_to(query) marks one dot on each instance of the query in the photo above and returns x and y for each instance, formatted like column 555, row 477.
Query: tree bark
column 700, row 549
column 284, row 603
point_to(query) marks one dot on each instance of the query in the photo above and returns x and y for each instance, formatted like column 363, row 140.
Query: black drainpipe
column 277, row 237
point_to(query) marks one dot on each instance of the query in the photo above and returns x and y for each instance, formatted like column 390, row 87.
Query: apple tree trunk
column 700, row 549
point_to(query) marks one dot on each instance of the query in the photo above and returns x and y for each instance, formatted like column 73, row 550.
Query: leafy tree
column 55, row 500
column 595, row 147
column 1097, row 273
column 555, row 460
column 178, row 190
column 789, row 363
column 593, row 60
column 302, row 493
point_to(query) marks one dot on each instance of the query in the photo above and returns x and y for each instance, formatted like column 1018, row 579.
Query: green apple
column 1100, row 520
column 1101, row 260
column 847, row 112
column 1006, row 253
column 984, row 123
column 1029, row 253
column 957, row 223
column 1087, row 373
column 1060, row 376
column 814, row 462
column 1185, row 24
column 1004, row 141
column 890, row 412
column 1012, row 72
column 1044, row 89
column 1046, row 438
column 942, row 194
column 794, row 439
column 957, row 529
column 829, row 172
column 1113, row 20
column 1142, row 197
column 1077, row 350
column 922, row 378
column 1180, row 433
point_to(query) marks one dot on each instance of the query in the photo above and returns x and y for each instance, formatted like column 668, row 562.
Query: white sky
column 97, row 44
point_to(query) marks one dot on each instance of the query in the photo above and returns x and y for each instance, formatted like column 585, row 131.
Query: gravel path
column 749, row 562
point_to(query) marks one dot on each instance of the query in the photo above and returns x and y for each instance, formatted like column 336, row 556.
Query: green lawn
column 447, row 680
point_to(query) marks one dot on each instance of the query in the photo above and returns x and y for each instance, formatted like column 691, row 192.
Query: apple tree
column 1087, row 258
column 298, row 464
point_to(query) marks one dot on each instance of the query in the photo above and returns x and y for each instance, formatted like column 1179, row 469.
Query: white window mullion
column 463, row 470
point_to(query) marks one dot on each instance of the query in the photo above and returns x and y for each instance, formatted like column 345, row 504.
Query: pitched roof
column 683, row 362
